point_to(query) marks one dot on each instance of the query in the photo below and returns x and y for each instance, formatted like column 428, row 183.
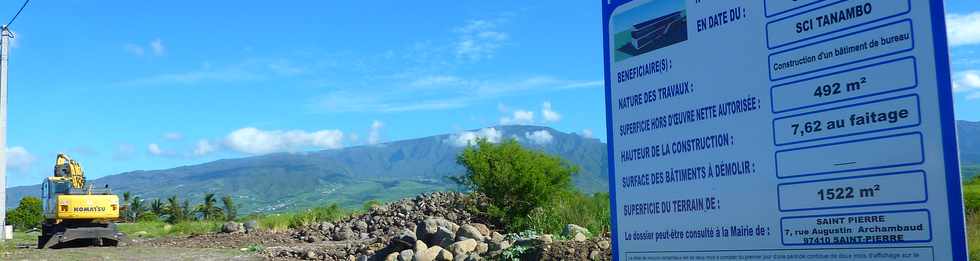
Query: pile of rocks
column 384, row 221
column 437, row 239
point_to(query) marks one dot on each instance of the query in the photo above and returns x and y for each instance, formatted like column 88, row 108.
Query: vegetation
column 160, row 229
column 28, row 214
column 589, row 211
column 230, row 209
column 971, row 203
column 330, row 213
column 516, row 180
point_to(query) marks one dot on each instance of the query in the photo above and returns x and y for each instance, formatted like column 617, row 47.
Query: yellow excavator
column 76, row 212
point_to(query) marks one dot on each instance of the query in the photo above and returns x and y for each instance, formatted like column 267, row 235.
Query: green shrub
column 971, row 201
column 28, row 214
column 370, row 204
column 515, row 179
column 316, row 215
column 589, row 211
column 275, row 222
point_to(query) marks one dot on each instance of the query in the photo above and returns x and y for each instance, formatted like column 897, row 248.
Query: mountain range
column 389, row 171
column 348, row 176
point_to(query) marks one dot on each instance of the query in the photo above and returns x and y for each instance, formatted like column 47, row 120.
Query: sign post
column 781, row 130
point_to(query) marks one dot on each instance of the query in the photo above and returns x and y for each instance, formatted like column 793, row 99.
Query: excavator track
column 78, row 234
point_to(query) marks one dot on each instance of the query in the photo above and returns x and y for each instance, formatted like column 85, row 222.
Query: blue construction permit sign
column 781, row 130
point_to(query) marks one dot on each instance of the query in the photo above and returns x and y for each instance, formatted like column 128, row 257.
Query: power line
column 18, row 13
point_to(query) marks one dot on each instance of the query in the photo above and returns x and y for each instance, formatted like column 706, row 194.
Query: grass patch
column 20, row 238
column 588, row 211
column 153, row 229
column 316, row 215
column 275, row 222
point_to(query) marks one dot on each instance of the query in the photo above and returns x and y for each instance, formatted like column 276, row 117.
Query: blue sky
column 130, row 85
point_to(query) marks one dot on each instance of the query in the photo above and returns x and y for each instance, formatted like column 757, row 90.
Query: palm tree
column 136, row 209
column 157, row 207
column 174, row 211
column 126, row 197
column 231, row 211
column 186, row 211
column 208, row 208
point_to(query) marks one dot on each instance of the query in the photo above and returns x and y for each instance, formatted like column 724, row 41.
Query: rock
column 594, row 255
column 444, row 255
column 496, row 237
column 484, row 230
column 546, row 239
column 420, row 247
column 442, row 238
column 230, row 227
column 430, row 226
column 406, row 255
column 392, row 257
column 464, row 247
column 251, row 226
column 571, row 229
column 310, row 255
column 603, row 245
column 579, row 237
column 326, row 226
column 468, row 231
column 482, row 248
column 497, row 246
column 360, row 225
column 344, row 234
column 430, row 254
column 405, row 240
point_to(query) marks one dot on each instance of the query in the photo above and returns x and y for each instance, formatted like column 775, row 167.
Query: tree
column 157, row 207
column 515, row 179
column 208, row 208
column 187, row 211
column 136, row 209
column 231, row 211
column 174, row 211
column 27, row 215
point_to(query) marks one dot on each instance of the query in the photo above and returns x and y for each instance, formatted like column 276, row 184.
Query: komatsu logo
column 89, row 209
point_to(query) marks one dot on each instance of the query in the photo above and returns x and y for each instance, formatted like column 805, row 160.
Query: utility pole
column 5, row 38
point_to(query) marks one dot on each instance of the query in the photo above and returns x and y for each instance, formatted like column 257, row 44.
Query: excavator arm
column 68, row 168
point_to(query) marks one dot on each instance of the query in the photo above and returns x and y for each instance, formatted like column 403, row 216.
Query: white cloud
column 518, row 117
column 255, row 141
column 966, row 81
column 479, row 39
column 157, row 46
column 134, row 49
column 549, row 114
column 540, row 137
column 374, row 136
column 587, row 133
column 204, row 147
column 155, row 149
column 467, row 138
column 19, row 159
column 963, row 29
column 173, row 136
